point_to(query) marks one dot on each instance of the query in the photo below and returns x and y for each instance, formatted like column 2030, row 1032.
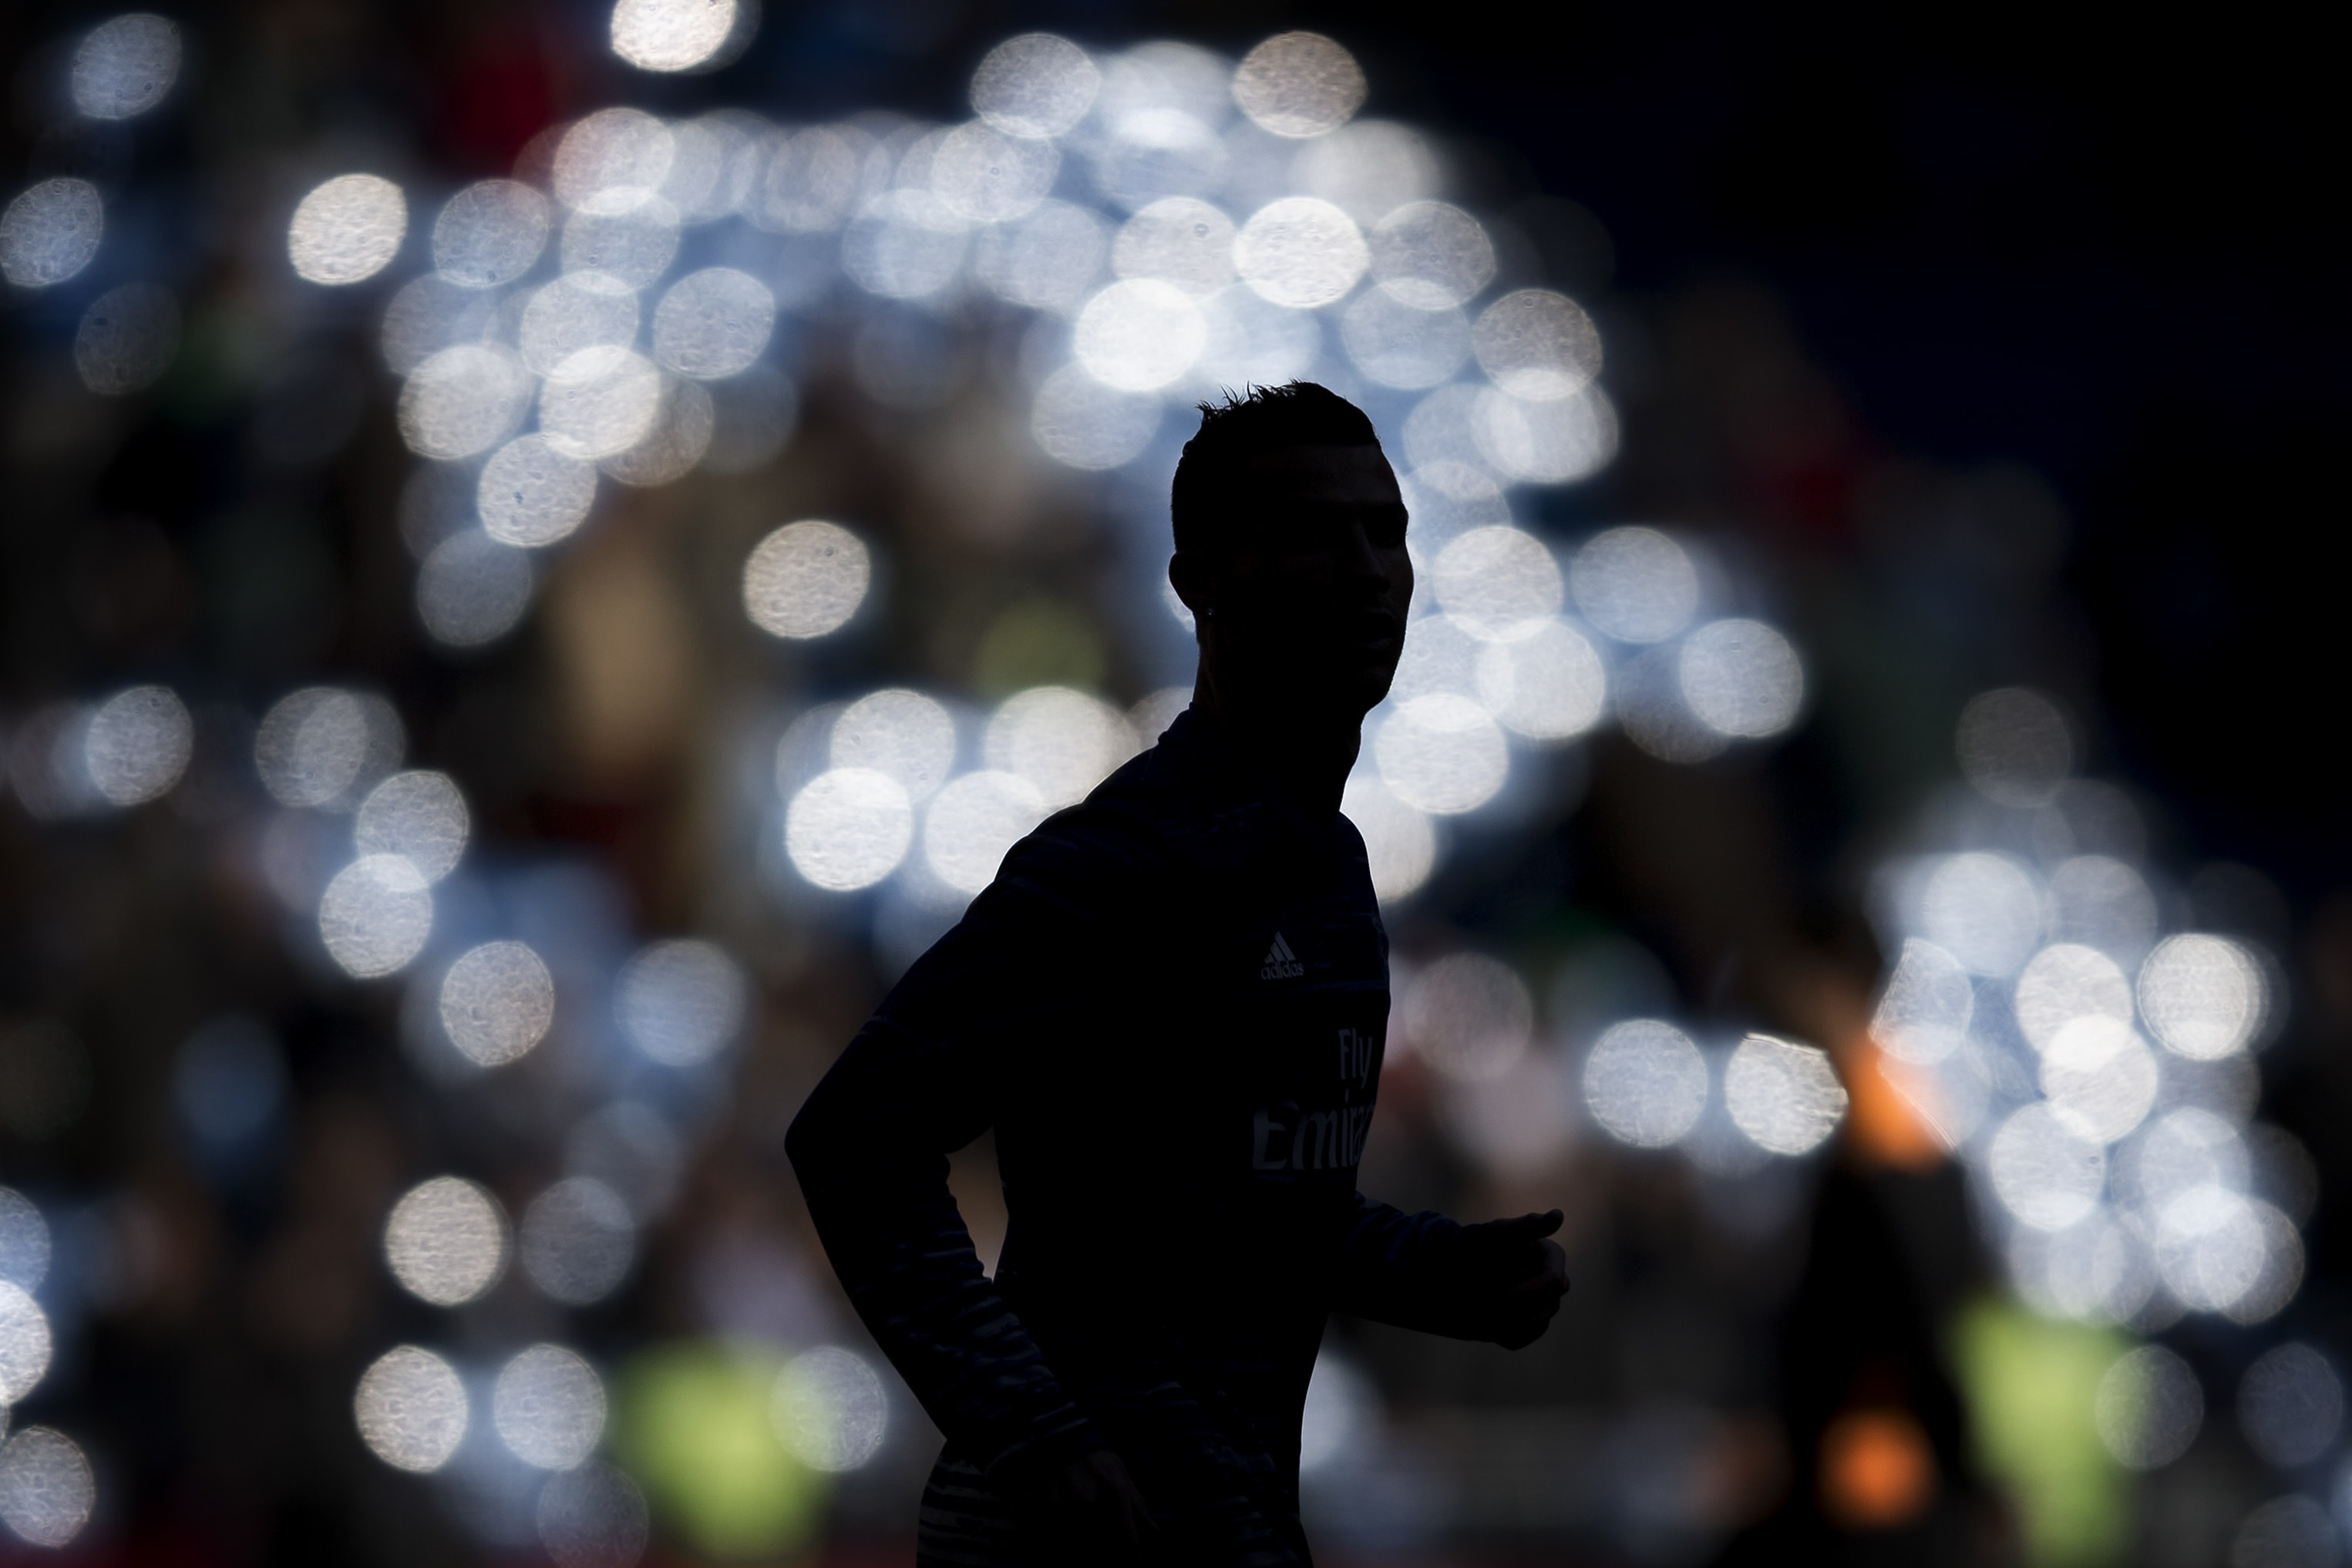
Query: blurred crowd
column 537, row 586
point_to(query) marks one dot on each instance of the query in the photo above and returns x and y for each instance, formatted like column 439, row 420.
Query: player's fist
column 1525, row 1271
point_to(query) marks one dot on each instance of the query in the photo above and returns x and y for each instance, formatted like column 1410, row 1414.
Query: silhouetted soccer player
column 1170, row 1006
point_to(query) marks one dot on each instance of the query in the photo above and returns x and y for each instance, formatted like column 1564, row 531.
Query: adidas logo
column 1281, row 963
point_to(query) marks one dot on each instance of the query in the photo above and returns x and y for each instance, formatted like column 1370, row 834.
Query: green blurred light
column 694, row 1424
column 1038, row 642
column 2032, row 1384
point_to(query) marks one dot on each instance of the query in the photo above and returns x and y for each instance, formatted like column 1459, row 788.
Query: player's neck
column 1306, row 754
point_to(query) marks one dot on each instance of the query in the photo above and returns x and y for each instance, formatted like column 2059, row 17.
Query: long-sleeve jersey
column 1170, row 1006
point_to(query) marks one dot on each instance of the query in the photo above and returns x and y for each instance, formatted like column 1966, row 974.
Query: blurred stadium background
column 550, row 547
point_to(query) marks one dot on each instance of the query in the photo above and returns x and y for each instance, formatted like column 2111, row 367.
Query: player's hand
column 1095, row 1516
column 1531, row 1270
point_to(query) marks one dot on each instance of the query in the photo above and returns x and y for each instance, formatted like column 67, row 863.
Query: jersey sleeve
column 959, row 1042
column 1408, row 1269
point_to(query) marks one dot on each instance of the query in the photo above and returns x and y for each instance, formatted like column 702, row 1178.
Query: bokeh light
column 2203, row 997
column 48, row 1491
column 1301, row 253
column 594, row 1516
column 25, row 1246
column 830, row 1409
column 2151, row 1408
column 1399, row 845
column 713, row 324
column 376, row 916
column 1634, row 584
column 489, row 234
column 127, row 339
column 2015, row 746
column 805, row 579
column 1741, row 678
column 26, row 1343
column 138, row 744
column 681, row 1001
column 848, row 829
column 419, row 815
column 973, row 820
column 2290, row 1404
column 1062, row 741
column 2066, row 981
column 1431, row 256
column 1442, row 754
column 347, row 229
column 1140, row 335
column 1537, row 345
column 1469, row 1017
column 462, row 400
column 126, row 66
column 578, row 1241
column 1923, row 1012
column 410, row 1408
column 497, row 1001
column 533, row 494
column 903, row 733
column 1984, row 909
column 1299, row 85
column 1549, row 685
column 445, row 1241
column 1645, row 1083
column 1784, row 1096
column 1035, row 85
column 50, row 232
column 549, row 1407
column 2045, row 1171
column 472, row 590
column 677, row 35
column 2100, row 1077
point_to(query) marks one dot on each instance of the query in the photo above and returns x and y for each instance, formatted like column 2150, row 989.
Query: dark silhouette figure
column 1170, row 1005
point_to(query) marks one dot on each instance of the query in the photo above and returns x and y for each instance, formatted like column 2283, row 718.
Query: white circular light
column 138, row 744
column 848, row 829
column 805, row 579
column 532, row 495
column 411, row 1409
column 419, row 815
column 1635, row 584
column 1442, row 754
column 612, row 160
column 1553, row 442
column 987, row 176
column 549, row 1407
column 1550, row 685
column 681, row 1001
column 376, row 916
column 1923, row 1015
column 473, row 590
column 904, row 733
column 49, row 233
column 2066, row 981
column 1537, row 345
column 1741, row 678
column 1062, row 740
column 670, row 36
column 1081, row 424
column 2045, row 1171
column 1984, row 910
column 1301, row 253
column 2291, row 1406
column 125, row 65
column 1299, row 85
column 829, row 1408
column 1645, row 1083
column 445, row 1241
column 497, row 1001
column 463, row 400
column 25, row 1343
column 2204, row 996
column 489, row 234
column 47, row 1489
column 2148, row 1408
column 1431, row 256
column 1046, row 261
column 713, row 324
column 1499, row 584
column 599, row 403
column 905, row 245
column 973, row 820
column 1140, row 335
column 1181, row 240
column 578, row 311
column 1035, row 85
column 347, row 229
column 1402, row 345
column 1784, row 1096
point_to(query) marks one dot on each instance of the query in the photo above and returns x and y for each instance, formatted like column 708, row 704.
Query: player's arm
column 954, row 1043
column 1501, row 1281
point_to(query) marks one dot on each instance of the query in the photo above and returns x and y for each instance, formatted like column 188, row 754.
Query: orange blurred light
column 1885, row 1125
column 1876, row 1471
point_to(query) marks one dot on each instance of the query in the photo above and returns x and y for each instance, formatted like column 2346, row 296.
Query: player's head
column 1290, row 547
